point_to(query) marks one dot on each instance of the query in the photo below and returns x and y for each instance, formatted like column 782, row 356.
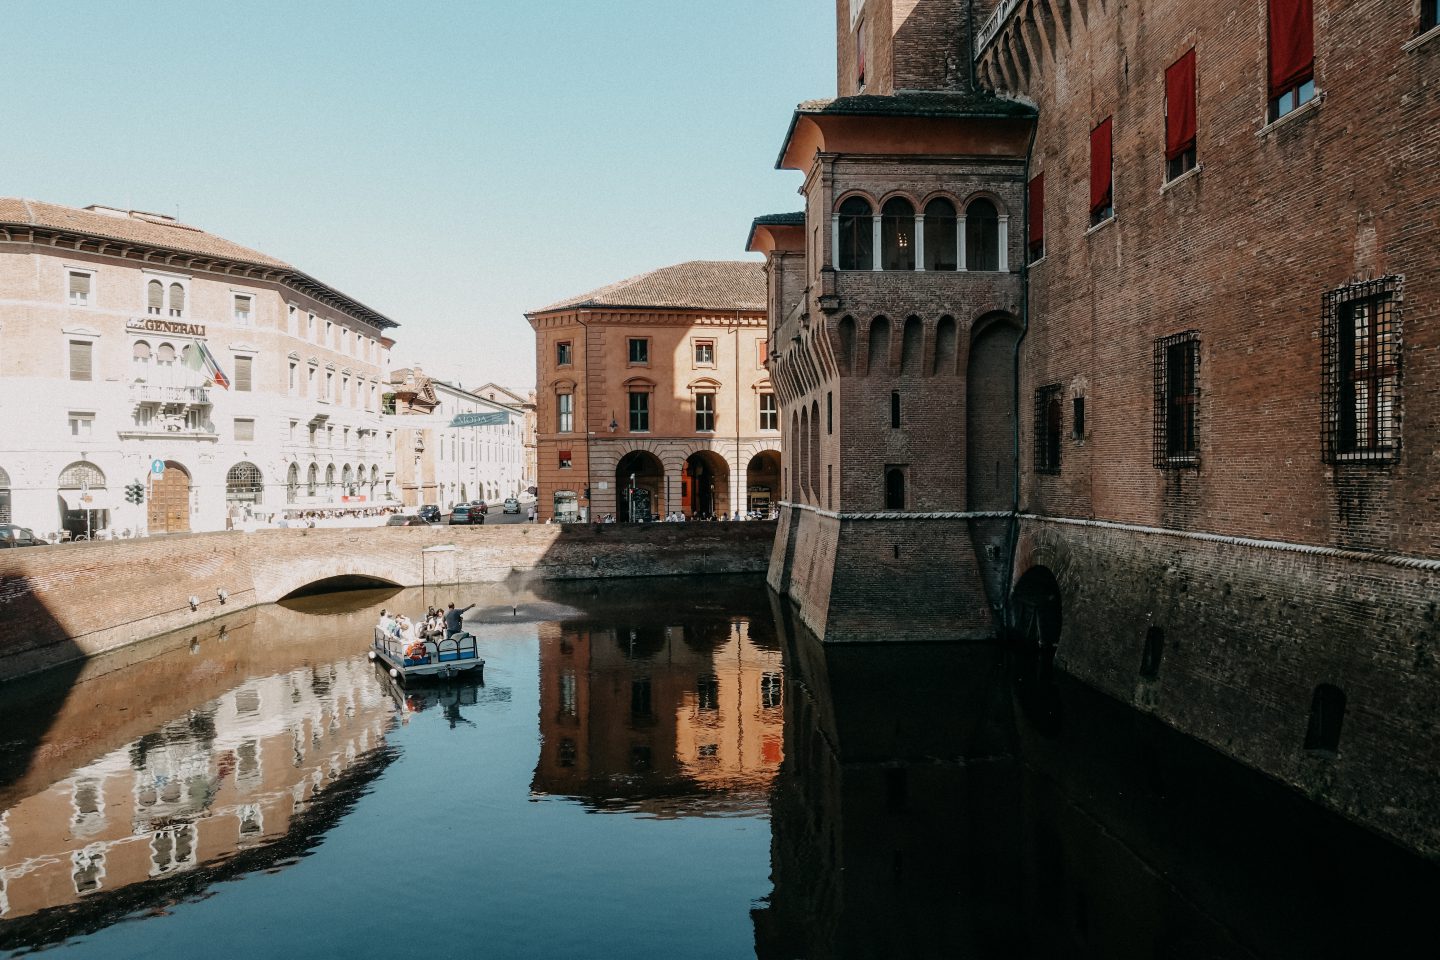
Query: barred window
column 1047, row 429
column 1361, row 359
column 1177, row 392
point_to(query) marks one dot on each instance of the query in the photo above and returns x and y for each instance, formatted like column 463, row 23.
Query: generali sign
column 175, row 328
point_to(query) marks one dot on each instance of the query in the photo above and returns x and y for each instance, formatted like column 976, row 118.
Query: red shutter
column 565, row 455
column 1037, row 210
column 1180, row 106
column 1292, row 44
column 1100, row 166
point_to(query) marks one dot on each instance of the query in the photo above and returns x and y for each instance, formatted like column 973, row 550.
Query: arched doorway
column 639, row 486
column 169, row 500
column 244, row 488
column 762, row 482
column 705, row 492
column 82, row 499
column 1036, row 607
column 4, row 496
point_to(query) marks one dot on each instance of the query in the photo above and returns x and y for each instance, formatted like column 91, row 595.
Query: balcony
column 990, row 29
column 159, row 393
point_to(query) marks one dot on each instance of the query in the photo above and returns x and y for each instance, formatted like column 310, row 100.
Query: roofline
column 798, row 113
column 756, row 224
column 285, row 273
column 627, row 307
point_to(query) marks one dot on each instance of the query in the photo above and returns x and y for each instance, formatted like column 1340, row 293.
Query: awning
column 93, row 500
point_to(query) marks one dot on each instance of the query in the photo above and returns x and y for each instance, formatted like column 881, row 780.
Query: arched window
column 792, row 443
column 140, row 353
column 165, row 355
column 805, row 452
column 879, row 352
column 945, row 341
column 894, row 488
column 292, row 483
column 856, row 236
column 982, row 236
column 177, row 300
column 4, row 496
column 329, row 479
column 847, row 342
column 155, row 297
column 312, row 480
column 814, row 445
column 81, row 475
column 244, row 484
column 374, row 478
column 912, row 347
column 897, row 234
column 941, row 239
column 347, row 480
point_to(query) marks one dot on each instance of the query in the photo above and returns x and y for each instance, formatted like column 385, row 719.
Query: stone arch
column 877, row 348
column 1037, row 611
column 169, row 500
column 813, row 472
column 912, row 347
column 706, row 490
column 292, row 483
column 854, row 232
column 244, row 486
column 947, row 337
column 793, row 445
column 982, row 235
column 897, row 233
column 804, row 446
column 762, row 481
column 639, row 486
column 990, row 414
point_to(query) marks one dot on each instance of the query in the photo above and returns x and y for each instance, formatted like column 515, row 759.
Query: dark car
column 429, row 513
column 407, row 520
column 464, row 513
column 13, row 536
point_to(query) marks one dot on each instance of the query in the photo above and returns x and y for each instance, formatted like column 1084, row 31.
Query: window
column 563, row 356
column 1361, row 362
column 329, row 333
column 177, row 300
column 897, row 234
column 565, row 459
column 707, row 692
column 639, row 411
column 704, row 413
column 243, row 368
column 769, row 412
column 294, row 377
column 140, row 357
column 862, row 37
column 894, row 488
column 155, row 297
column 856, row 240
column 81, row 355
column 762, row 353
column 244, row 429
column 1102, row 201
column 895, row 410
column 1036, row 217
column 310, row 326
column 293, row 425
column 242, row 310
column 565, row 413
column 1327, row 713
column 982, row 236
column 704, row 353
column 639, row 350
column 941, row 238
column 1077, row 418
column 291, row 321
column 311, row 381
column 1047, row 429
column 1177, row 369
column 1429, row 15
column 82, row 424
column 1292, row 55
column 1180, row 116
column 79, row 288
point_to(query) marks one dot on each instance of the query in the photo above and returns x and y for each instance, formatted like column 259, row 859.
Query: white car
column 512, row 505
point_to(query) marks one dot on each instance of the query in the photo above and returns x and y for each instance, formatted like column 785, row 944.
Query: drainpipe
column 1015, row 381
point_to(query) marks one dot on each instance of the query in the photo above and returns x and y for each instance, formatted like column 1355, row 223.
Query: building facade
column 453, row 446
column 1189, row 319
column 525, row 403
column 225, row 382
column 653, row 397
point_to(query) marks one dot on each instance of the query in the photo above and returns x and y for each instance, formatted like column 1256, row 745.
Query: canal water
column 647, row 769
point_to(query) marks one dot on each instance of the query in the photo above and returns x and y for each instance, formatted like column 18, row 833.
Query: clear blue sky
column 450, row 164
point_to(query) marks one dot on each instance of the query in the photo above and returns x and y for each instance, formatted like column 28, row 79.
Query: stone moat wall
column 62, row 603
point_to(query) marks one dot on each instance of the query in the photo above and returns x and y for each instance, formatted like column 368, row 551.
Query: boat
column 440, row 658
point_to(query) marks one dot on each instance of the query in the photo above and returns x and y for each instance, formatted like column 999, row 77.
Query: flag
column 213, row 366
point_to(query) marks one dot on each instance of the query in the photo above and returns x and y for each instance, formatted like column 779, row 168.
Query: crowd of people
column 435, row 625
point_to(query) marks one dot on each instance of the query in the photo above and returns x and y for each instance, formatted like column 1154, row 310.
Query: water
column 649, row 769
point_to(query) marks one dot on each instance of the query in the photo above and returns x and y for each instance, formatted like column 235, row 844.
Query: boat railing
column 460, row 646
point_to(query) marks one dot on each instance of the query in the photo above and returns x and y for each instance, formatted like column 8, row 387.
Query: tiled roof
column 696, row 285
column 796, row 219
column 156, row 230
column 917, row 103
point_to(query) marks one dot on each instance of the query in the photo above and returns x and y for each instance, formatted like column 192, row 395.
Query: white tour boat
column 434, row 657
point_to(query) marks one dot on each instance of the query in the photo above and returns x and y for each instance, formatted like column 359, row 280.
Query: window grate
column 1360, row 364
column 1177, row 395
column 1047, row 429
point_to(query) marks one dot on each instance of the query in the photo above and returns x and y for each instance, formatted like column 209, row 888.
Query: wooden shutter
column 177, row 298
column 80, row 287
column 155, row 296
column 242, row 372
column 1037, row 211
column 80, row 356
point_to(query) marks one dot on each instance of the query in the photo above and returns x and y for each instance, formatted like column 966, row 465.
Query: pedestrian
column 452, row 619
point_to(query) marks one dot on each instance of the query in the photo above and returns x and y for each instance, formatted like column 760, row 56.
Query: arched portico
column 639, row 486
column 762, row 482
column 705, row 488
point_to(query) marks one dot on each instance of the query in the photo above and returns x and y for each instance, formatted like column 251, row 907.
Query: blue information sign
column 157, row 467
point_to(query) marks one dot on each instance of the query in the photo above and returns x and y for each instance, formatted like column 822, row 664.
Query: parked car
column 407, row 520
column 13, row 536
column 429, row 513
column 480, row 505
column 462, row 514
column 512, row 505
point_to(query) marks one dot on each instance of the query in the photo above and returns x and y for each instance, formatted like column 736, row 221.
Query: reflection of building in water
column 666, row 719
column 228, row 775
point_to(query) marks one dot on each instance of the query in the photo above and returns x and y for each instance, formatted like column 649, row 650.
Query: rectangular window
column 294, row 377
column 895, row 410
column 1292, row 55
column 1036, row 217
column 81, row 354
column 639, row 350
column 329, row 386
column 565, row 413
column 244, row 429
column 82, row 424
column 639, row 411
column 1429, row 15
column 242, row 310
column 769, row 412
column 292, row 324
column 293, row 425
column 705, row 413
column 704, row 353
column 243, row 368
column 762, row 353
column 329, row 333
column 829, row 412
column 1047, row 429
column 1180, row 116
column 1177, row 393
column 565, row 460
column 862, row 36
column 1102, row 199
column 1077, row 418
column 79, row 289
column 310, row 327
column 562, row 353
column 310, row 383
column 1361, row 361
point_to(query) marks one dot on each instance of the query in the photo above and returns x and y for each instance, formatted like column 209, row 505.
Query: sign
column 172, row 327
column 157, row 467
column 480, row 419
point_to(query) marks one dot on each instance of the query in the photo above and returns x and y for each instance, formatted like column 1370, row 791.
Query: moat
column 650, row 768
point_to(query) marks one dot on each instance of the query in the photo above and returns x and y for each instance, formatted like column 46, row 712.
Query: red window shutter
column 1180, row 106
column 1292, row 44
column 565, row 455
column 1037, row 210
column 1100, row 166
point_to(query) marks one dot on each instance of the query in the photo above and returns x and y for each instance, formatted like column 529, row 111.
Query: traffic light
column 135, row 492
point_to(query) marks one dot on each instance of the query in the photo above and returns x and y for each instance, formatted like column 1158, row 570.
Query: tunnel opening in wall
column 345, row 583
column 1033, row 635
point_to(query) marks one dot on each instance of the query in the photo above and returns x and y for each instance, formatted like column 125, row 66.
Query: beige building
column 525, row 403
column 138, row 349
column 653, row 397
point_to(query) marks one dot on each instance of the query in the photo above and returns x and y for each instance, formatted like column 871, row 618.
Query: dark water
column 649, row 769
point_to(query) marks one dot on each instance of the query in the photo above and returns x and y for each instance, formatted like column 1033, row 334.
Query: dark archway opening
column 707, row 485
column 762, row 482
column 639, row 485
column 344, row 583
column 1034, row 634
column 1327, row 713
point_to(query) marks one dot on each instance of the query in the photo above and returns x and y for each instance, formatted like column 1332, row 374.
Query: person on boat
column 385, row 624
column 452, row 619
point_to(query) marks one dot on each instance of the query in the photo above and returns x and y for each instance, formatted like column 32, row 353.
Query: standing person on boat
column 452, row 619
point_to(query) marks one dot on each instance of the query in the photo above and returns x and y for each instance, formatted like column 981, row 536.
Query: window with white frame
column 82, row 424
column 79, row 283
column 705, row 412
column 242, row 308
column 82, row 353
column 244, row 374
column 565, row 413
column 704, row 353
column 769, row 412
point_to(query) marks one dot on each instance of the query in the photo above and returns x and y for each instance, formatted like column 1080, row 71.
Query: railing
column 991, row 28
column 159, row 393
column 459, row 647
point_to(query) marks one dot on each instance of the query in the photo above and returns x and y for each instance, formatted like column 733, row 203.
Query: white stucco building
column 129, row 341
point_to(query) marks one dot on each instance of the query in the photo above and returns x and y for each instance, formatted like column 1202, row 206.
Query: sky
column 449, row 164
